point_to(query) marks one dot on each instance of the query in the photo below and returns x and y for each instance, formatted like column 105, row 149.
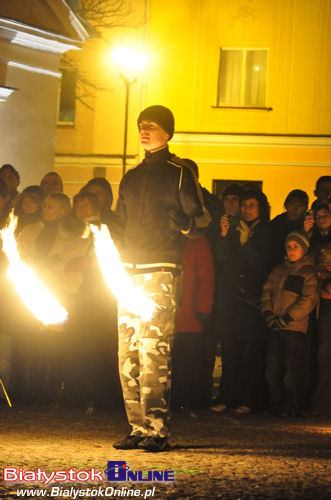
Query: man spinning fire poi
column 157, row 203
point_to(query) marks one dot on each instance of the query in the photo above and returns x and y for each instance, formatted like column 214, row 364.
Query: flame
column 31, row 291
column 116, row 278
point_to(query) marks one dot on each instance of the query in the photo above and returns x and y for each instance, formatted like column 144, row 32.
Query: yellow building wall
column 183, row 39
column 186, row 38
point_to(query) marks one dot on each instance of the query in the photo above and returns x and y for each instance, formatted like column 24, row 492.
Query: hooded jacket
column 291, row 289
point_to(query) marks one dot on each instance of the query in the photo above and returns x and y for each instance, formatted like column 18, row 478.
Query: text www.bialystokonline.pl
column 99, row 492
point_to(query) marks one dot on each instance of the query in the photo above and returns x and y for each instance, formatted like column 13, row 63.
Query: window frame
column 66, row 123
column 243, row 80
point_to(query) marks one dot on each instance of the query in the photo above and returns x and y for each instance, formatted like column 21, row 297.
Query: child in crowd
column 289, row 295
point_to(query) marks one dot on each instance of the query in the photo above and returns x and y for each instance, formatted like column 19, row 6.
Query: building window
column 242, row 80
column 67, row 106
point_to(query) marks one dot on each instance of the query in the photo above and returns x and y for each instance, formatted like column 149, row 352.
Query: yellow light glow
column 129, row 59
column 32, row 292
column 116, row 278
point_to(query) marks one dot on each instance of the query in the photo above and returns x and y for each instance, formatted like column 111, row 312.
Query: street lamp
column 130, row 62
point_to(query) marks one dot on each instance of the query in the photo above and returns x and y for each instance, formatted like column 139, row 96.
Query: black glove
column 179, row 221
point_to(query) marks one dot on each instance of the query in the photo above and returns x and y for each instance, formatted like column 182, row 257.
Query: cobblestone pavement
column 213, row 456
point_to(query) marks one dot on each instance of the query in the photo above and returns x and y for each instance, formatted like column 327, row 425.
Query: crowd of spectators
column 256, row 289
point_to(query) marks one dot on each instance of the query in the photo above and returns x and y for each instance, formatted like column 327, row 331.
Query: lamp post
column 130, row 63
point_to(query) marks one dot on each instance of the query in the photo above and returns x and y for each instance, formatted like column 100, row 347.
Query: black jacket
column 244, row 270
column 154, row 198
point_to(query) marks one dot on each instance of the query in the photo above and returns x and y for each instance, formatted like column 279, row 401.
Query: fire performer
column 158, row 201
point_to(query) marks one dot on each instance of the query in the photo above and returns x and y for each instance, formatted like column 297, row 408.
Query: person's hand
column 282, row 321
column 308, row 223
column 225, row 225
column 269, row 318
column 279, row 323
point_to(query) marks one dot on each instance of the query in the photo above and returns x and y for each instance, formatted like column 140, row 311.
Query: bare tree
column 107, row 14
column 98, row 16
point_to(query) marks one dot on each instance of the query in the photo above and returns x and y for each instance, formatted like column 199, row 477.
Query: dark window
column 67, row 108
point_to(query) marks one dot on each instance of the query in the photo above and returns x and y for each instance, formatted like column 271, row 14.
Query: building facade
column 249, row 84
column 32, row 40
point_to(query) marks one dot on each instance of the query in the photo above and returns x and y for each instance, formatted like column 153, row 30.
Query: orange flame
column 32, row 292
column 116, row 278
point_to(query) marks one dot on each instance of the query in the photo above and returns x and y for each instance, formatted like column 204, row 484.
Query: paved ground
column 213, row 456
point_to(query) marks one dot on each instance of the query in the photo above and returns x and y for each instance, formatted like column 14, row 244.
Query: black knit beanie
column 160, row 115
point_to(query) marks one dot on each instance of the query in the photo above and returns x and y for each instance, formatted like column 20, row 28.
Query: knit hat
column 160, row 115
column 300, row 238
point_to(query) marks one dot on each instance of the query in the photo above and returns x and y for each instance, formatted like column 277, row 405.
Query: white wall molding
column 5, row 92
column 262, row 163
column 92, row 161
column 35, row 38
column 250, row 140
column 33, row 69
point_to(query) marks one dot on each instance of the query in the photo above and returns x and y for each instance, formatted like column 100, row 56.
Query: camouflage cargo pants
column 145, row 357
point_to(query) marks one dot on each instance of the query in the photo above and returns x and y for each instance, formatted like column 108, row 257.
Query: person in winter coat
column 101, row 189
column 94, row 324
column 190, row 352
column 245, row 257
column 319, row 230
column 40, row 373
column 296, row 205
column 289, row 295
column 157, row 204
